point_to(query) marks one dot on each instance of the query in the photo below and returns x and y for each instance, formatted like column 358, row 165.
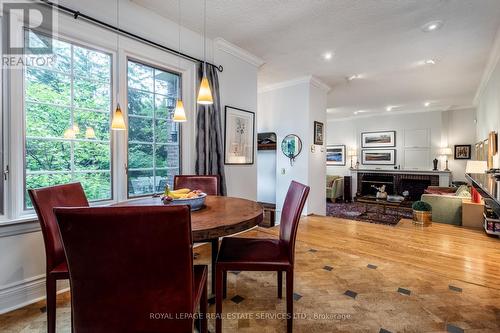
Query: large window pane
column 153, row 150
column 67, row 108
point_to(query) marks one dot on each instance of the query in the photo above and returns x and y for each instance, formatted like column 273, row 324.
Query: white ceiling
column 381, row 39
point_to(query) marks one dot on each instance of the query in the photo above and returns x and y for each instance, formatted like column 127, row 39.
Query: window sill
column 22, row 225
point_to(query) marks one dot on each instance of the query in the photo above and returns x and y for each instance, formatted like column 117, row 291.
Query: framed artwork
column 378, row 157
column 378, row 139
column 463, row 152
column 335, row 155
column 239, row 136
column 318, row 133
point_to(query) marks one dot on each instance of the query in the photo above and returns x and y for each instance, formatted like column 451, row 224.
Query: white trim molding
column 493, row 61
column 228, row 47
column 19, row 294
column 293, row 82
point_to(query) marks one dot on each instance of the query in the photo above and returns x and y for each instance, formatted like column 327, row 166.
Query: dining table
column 219, row 216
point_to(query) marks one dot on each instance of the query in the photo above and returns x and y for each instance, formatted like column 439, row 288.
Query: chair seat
column 200, row 280
column 60, row 271
column 252, row 253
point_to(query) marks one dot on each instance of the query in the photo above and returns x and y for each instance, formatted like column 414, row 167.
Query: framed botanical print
column 239, row 136
column 335, row 155
column 378, row 139
column 463, row 152
column 318, row 133
column 378, row 157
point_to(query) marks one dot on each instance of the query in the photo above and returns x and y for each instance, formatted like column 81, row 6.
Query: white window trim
column 86, row 34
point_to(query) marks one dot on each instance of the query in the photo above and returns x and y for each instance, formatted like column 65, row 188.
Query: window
column 153, row 138
column 67, row 108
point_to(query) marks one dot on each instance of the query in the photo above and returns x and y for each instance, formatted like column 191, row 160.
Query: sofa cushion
column 463, row 191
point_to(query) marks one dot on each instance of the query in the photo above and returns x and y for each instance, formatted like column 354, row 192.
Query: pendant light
column 118, row 122
column 179, row 113
column 205, row 94
column 90, row 133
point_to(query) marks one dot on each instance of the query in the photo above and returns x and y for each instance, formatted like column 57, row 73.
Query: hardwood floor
column 356, row 277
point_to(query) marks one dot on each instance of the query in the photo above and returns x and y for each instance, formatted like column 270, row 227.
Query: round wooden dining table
column 219, row 217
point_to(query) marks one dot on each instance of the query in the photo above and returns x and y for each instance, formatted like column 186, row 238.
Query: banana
column 181, row 191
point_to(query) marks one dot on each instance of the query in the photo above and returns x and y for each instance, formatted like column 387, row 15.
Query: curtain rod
column 76, row 15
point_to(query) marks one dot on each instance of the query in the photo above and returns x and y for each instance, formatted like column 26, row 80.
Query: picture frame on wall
column 335, row 155
column 378, row 139
column 239, row 136
column 378, row 157
column 463, row 152
column 319, row 133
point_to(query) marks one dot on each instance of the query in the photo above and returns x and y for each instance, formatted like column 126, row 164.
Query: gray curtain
column 209, row 135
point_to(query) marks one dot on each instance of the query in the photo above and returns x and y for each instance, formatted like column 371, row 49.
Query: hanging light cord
column 179, row 91
column 117, row 50
column 205, row 38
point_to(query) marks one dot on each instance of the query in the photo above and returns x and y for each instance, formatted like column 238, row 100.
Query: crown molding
column 293, row 82
column 493, row 62
column 228, row 47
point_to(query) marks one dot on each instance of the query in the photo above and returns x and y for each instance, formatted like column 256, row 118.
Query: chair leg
column 289, row 301
column 51, row 285
column 280, row 284
column 204, row 310
column 218, row 298
column 224, row 284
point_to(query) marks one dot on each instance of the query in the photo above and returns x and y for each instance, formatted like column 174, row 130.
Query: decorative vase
column 382, row 195
column 423, row 218
column 435, row 162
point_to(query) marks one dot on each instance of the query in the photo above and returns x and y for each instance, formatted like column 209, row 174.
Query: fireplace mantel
column 358, row 174
column 412, row 172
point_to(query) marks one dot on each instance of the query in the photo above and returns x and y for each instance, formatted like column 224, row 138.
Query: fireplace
column 396, row 183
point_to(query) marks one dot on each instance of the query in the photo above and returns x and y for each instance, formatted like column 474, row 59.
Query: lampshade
column 118, row 123
column 76, row 129
column 69, row 133
column 352, row 152
column 90, row 133
column 204, row 94
column 179, row 113
column 476, row 167
column 445, row 151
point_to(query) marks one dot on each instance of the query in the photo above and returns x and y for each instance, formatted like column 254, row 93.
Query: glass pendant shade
column 118, row 123
column 205, row 94
column 179, row 113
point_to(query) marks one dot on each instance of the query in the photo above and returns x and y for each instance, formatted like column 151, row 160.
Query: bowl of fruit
column 184, row 196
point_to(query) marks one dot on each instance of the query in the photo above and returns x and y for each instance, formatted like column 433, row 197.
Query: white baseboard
column 25, row 292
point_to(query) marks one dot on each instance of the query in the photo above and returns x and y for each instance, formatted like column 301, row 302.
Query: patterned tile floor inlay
column 458, row 290
column 296, row 296
column 404, row 291
column 351, row 293
column 328, row 268
column 370, row 266
column 424, row 261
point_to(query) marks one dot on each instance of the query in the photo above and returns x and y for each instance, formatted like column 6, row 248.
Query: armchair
column 334, row 187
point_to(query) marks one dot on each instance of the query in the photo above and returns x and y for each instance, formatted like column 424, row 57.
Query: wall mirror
column 291, row 147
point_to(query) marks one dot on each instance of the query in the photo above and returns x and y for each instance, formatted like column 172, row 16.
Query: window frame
column 71, row 107
column 180, row 132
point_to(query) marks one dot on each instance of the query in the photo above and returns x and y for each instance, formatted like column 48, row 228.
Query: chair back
column 44, row 200
column 290, row 215
column 208, row 184
column 131, row 268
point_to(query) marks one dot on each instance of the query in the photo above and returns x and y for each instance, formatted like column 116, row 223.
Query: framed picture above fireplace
column 378, row 139
column 378, row 157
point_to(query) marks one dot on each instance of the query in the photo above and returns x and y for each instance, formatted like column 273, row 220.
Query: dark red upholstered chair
column 130, row 267
column 207, row 184
column 248, row 254
column 44, row 200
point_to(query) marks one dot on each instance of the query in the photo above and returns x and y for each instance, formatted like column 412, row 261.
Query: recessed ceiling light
column 427, row 104
column 354, row 77
column 328, row 55
column 430, row 62
column 432, row 26
column 389, row 108
column 360, row 111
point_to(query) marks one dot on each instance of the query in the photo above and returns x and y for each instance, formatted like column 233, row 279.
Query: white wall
column 488, row 104
column 446, row 128
column 291, row 109
column 22, row 267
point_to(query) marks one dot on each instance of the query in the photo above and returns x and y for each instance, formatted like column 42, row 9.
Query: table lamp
column 476, row 167
column 352, row 152
column 446, row 152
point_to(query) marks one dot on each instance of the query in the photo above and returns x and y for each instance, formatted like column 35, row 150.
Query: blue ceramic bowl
column 194, row 203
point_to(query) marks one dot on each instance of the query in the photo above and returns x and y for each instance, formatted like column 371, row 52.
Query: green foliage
column 421, row 206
